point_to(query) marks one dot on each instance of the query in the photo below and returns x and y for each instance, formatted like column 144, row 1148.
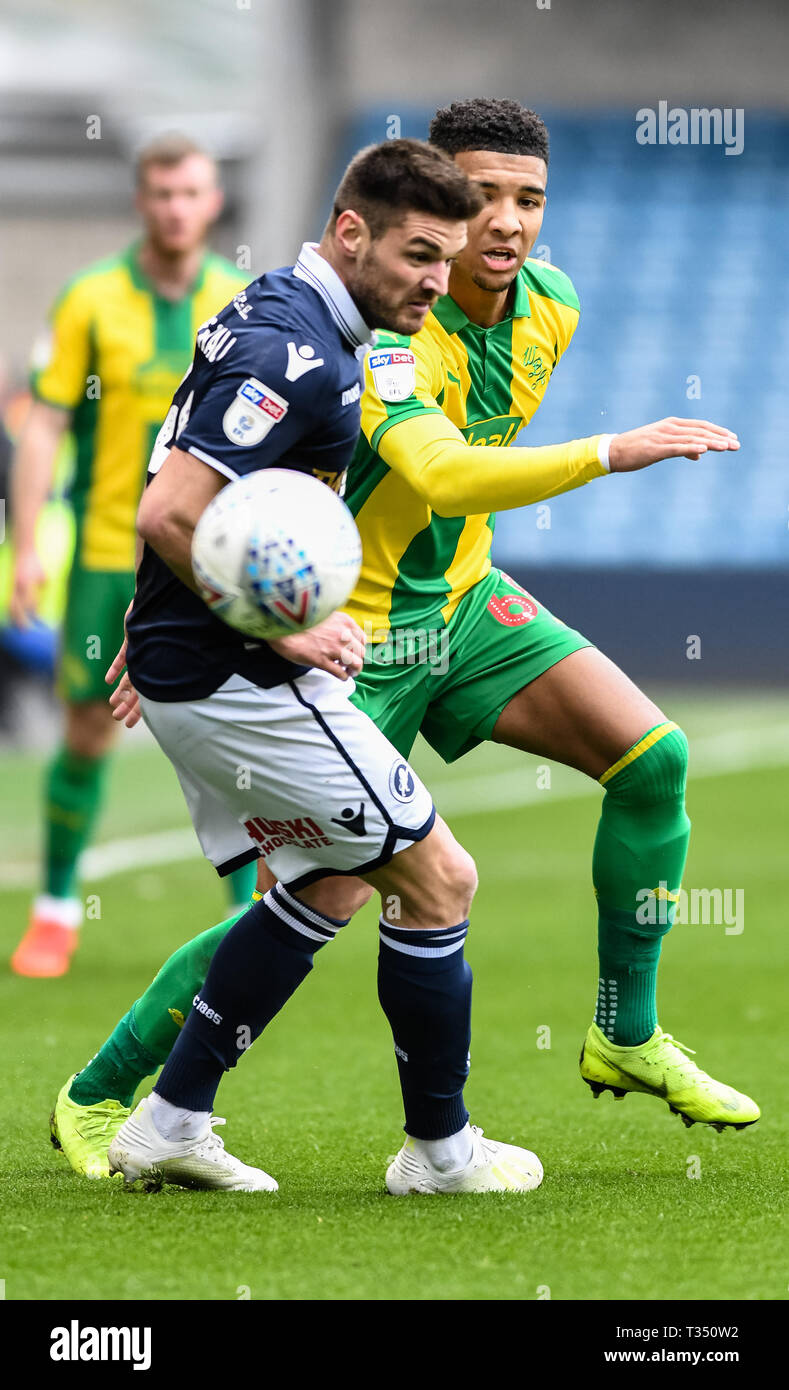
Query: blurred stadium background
column 680, row 257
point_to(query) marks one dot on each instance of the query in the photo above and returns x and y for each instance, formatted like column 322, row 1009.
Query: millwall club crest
column 253, row 412
column 402, row 783
column 394, row 373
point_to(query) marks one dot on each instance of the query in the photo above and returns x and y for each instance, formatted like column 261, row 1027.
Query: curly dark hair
column 489, row 123
column 383, row 182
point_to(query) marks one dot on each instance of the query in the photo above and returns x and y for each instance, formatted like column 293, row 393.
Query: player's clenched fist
column 667, row 439
column 335, row 645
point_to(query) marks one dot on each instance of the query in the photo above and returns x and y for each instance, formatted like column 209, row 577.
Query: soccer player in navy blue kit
column 275, row 381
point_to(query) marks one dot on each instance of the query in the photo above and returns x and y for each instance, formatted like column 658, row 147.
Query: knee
column 90, row 728
column 337, row 897
column 671, row 767
column 463, row 872
column 656, row 774
column 452, row 881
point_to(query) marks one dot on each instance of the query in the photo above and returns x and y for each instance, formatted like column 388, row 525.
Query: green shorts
column 451, row 684
column 96, row 602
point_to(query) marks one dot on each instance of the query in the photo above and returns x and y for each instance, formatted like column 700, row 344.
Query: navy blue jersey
column 275, row 380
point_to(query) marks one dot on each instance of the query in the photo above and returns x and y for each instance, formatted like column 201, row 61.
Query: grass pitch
column 620, row 1213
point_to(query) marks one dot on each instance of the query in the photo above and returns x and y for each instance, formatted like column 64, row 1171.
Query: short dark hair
column 384, row 182
column 490, row 123
column 166, row 152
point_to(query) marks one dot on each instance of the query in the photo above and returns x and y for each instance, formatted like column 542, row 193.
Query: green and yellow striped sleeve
column 61, row 359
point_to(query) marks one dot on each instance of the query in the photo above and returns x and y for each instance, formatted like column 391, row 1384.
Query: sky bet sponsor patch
column 394, row 373
column 255, row 411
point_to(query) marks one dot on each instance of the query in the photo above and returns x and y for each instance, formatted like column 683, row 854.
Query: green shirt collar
column 141, row 281
column 452, row 319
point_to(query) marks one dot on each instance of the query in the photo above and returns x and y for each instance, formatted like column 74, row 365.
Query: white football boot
column 493, row 1167
column 139, row 1151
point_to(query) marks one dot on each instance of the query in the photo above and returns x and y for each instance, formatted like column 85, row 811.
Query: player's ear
column 352, row 232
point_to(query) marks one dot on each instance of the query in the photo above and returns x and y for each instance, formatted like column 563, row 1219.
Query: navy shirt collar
column 316, row 271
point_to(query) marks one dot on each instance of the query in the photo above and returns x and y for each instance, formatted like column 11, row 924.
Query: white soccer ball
column 275, row 552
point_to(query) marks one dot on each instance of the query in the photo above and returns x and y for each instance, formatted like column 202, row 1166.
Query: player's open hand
column 336, row 645
column 667, row 439
column 124, row 700
column 125, row 703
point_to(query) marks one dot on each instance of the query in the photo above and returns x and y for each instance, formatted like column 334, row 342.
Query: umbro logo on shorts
column 402, row 783
column 351, row 820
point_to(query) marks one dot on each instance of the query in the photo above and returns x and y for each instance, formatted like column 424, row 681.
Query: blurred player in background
column 121, row 338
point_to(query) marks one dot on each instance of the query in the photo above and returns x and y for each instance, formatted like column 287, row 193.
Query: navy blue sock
column 424, row 986
column 253, row 972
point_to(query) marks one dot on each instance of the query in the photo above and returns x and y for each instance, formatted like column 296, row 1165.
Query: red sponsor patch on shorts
column 513, row 610
column 273, row 834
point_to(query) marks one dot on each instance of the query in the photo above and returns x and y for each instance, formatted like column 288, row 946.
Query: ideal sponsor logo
column 536, row 370
column 75, row 1343
column 241, row 304
column 498, row 430
column 273, row 834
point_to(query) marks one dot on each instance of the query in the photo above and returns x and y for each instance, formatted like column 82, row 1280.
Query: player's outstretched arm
column 667, row 439
column 459, row 479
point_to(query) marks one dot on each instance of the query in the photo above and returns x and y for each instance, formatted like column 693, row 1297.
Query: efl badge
column 254, row 411
column 394, row 373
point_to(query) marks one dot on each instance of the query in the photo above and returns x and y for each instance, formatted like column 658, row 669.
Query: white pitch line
column 713, row 756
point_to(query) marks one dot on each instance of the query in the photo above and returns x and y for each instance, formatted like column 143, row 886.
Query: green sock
column 74, row 789
column 141, row 1042
column 639, row 857
column 117, row 1069
column 241, row 884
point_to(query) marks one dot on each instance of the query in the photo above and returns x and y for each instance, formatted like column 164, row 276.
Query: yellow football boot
column 661, row 1067
column 84, row 1132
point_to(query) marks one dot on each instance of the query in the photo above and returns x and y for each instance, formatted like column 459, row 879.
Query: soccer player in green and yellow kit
column 121, row 337
column 438, row 414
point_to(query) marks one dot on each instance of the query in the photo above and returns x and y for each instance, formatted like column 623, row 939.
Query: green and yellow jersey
column 423, row 499
column 115, row 355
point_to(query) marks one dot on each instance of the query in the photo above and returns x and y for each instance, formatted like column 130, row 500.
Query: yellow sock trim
column 654, row 736
column 256, row 896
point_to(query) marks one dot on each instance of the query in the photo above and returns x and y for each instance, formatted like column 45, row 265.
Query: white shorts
column 296, row 774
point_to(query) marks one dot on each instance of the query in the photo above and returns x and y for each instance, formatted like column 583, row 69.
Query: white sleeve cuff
column 602, row 450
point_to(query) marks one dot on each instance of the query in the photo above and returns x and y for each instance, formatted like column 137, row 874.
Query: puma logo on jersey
column 301, row 360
